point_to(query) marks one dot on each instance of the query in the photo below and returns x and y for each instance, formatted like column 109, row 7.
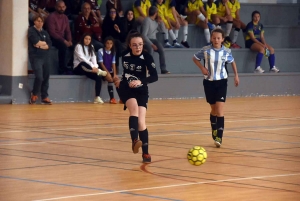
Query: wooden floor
column 83, row 152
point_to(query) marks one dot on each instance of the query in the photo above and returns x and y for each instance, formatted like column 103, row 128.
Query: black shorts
column 250, row 42
column 140, row 94
column 215, row 91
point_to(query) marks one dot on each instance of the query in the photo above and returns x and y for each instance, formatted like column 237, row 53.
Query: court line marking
column 166, row 124
column 170, row 186
column 158, row 135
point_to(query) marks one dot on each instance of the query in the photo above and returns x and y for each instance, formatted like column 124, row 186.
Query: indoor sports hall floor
column 83, row 152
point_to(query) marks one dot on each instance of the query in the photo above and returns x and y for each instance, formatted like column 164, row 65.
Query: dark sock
column 213, row 122
column 220, row 126
column 259, row 58
column 272, row 60
column 110, row 89
column 133, row 128
column 144, row 138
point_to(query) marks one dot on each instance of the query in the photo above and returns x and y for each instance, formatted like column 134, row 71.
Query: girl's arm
column 200, row 66
column 236, row 76
column 254, row 39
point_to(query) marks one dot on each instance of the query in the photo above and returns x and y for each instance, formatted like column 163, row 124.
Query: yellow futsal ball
column 197, row 155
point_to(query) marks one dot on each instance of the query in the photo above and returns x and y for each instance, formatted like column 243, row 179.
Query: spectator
column 255, row 40
column 87, row 23
column 59, row 30
column 149, row 29
column 112, row 26
column 235, row 7
column 37, row 7
column 50, row 5
column 197, row 15
column 85, row 63
column 163, row 18
column 129, row 24
column 141, row 10
column 38, row 48
column 107, row 62
column 224, row 15
column 95, row 9
column 115, row 4
column 176, row 21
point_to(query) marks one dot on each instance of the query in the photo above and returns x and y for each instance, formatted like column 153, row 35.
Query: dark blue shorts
column 250, row 42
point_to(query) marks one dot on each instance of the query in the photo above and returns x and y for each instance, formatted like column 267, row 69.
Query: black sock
column 110, row 88
column 220, row 126
column 144, row 138
column 133, row 128
column 213, row 122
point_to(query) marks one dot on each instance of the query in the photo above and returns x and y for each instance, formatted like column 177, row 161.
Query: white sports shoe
column 168, row 45
column 259, row 70
column 101, row 73
column 274, row 70
column 177, row 45
column 98, row 100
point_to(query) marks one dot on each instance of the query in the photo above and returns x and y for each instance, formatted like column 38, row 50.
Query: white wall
column 13, row 40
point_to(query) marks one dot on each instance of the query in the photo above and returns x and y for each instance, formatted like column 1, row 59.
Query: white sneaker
column 183, row 16
column 274, row 70
column 101, row 73
column 259, row 70
column 98, row 100
column 168, row 45
column 177, row 45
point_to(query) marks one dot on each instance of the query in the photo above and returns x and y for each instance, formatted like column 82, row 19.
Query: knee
column 261, row 50
column 272, row 51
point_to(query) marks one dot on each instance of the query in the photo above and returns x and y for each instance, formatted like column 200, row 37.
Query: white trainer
column 167, row 45
column 259, row 70
column 274, row 70
column 177, row 45
column 101, row 73
column 98, row 100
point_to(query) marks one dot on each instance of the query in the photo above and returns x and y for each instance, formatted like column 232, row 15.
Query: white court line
column 152, row 136
column 171, row 186
column 167, row 124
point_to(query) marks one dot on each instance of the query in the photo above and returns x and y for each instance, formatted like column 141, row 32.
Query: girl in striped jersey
column 215, row 79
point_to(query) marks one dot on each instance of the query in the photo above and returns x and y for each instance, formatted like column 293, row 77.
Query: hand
column 135, row 83
column 95, row 70
column 117, row 82
column 205, row 71
column 154, row 47
column 117, row 28
column 96, row 25
column 236, row 81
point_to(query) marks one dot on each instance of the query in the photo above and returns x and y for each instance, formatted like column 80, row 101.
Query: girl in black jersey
column 133, row 90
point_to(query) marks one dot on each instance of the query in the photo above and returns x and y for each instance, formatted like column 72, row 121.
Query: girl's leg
column 272, row 58
column 133, row 108
column 213, row 121
column 206, row 30
column 220, row 123
column 260, row 49
column 143, row 133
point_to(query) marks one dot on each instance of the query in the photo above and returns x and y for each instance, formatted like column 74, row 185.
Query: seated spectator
column 112, row 26
column 38, row 47
column 163, row 18
column 87, row 23
column 224, row 16
column 149, row 29
column 59, row 30
column 235, row 7
column 255, row 40
column 107, row 62
column 176, row 21
column 129, row 24
column 211, row 12
column 36, row 8
column 85, row 63
column 95, row 9
column 197, row 15
column 115, row 4
column 50, row 5
column 141, row 10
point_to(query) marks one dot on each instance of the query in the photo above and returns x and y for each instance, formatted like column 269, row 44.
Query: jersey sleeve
column 100, row 55
column 230, row 58
column 201, row 4
column 214, row 9
column 262, row 29
column 199, row 55
column 153, row 77
column 172, row 3
column 238, row 5
column 249, row 28
column 137, row 3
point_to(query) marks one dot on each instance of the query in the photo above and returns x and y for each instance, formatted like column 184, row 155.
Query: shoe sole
column 46, row 103
column 218, row 144
column 136, row 147
column 103, row 73
column 146, row 162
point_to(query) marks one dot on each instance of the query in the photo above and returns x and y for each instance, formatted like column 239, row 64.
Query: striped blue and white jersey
column 214, row 61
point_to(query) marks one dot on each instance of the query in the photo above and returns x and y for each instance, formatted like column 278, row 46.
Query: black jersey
column 135, row 68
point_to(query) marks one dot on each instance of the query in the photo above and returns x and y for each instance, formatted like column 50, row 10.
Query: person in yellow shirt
column 211, row 10
column 224, row 14
column 164, row 18
column 197, row 15
column 235, row 7
column 177, row 21
column 141, row 10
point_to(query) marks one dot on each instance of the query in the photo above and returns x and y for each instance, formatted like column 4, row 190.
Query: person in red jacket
column 87, row 23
